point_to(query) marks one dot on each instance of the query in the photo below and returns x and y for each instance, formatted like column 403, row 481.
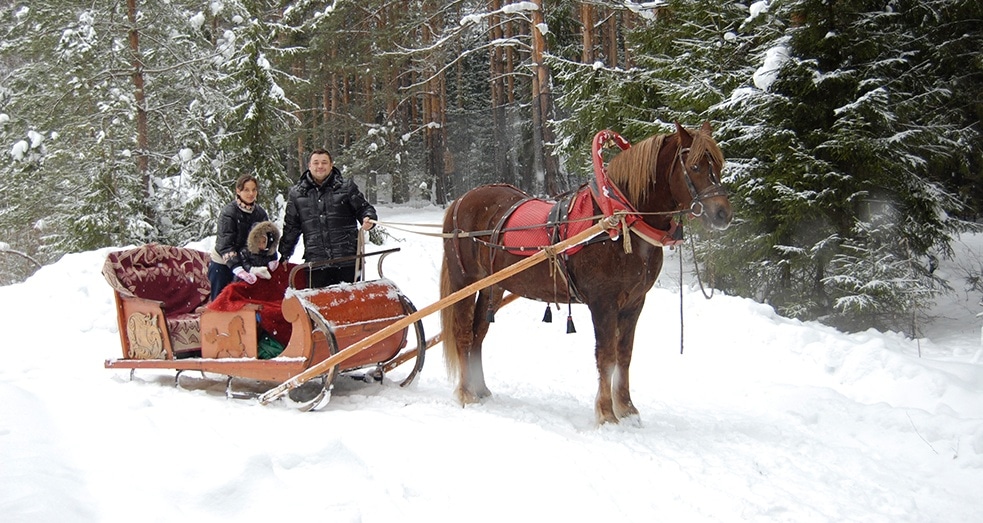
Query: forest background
column 851, row 127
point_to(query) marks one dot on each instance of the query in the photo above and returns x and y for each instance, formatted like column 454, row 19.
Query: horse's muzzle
column 716, row 212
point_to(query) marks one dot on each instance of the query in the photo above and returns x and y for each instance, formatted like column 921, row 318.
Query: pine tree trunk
column 543, row 106
column 587, row 21
column 500, row 135
column 143, row 161
column 611, row 39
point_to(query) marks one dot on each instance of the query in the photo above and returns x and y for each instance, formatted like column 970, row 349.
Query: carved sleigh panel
column 229, row 334
column 160, row 291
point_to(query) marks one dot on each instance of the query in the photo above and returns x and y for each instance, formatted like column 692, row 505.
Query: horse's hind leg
column 484, row 309
column 466, row 323
column 470, row 375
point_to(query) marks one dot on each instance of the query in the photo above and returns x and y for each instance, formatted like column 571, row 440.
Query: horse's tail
column 452, row 360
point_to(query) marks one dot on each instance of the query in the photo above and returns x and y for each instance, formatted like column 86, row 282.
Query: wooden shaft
column 434, row 340
column 447, row 301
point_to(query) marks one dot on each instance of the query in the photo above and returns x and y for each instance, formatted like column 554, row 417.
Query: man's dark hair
column 319, row 151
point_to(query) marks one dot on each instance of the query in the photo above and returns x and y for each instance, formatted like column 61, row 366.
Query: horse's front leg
column 605, row 336
column 624, row 409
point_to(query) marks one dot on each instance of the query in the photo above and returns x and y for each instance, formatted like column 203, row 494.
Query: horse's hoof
column 466, row 397
column 605, row 417
column 633, row 420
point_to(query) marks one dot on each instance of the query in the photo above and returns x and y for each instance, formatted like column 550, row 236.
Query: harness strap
column 497, row 230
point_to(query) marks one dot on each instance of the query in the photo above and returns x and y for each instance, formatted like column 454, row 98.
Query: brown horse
column 662, row 177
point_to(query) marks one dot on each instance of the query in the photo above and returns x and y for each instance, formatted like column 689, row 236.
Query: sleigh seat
column 160, row 295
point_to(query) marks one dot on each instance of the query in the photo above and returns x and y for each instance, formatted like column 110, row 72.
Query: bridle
column 715, row 188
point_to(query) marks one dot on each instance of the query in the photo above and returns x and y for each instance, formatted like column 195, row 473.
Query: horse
column 660, row 178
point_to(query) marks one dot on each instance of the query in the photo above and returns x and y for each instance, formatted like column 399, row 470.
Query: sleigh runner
column 166, row 322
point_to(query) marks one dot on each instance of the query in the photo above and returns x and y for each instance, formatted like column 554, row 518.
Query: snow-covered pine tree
column 841, row 215
column 258, row 125
column 69, row 90
column 71, row 86
column 678, row 59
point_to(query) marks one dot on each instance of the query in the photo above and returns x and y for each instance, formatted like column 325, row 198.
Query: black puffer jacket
column 328, row 215
column 234, row 225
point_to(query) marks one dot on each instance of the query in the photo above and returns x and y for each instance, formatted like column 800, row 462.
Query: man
column 326, row 208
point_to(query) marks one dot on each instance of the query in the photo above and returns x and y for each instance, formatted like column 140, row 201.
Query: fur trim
column 265, row 229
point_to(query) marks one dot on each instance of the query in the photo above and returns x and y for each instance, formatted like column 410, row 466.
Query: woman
column 234, row 224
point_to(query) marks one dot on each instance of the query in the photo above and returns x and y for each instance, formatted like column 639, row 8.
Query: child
column 260, row 256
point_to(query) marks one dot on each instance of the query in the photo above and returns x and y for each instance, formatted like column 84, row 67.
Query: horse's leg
column 471, row 378
column 457, row 325
column 605, row 337
column 623, row 407
column 487, row 302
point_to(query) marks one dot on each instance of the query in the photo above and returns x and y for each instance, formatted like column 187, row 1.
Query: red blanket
column 525, row 230
column 268, row 293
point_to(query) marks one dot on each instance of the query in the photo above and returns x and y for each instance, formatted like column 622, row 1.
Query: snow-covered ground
column 761, row 419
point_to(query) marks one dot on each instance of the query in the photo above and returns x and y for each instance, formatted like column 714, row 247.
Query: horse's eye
column 696, row 167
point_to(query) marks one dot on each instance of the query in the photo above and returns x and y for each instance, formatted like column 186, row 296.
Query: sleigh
column 266, row 332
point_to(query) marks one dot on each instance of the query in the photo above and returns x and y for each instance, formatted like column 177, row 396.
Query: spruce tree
column 841, row 218
column 70, row 86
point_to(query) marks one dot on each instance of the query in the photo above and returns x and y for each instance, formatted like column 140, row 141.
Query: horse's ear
column 706, row 128
column 680, row 130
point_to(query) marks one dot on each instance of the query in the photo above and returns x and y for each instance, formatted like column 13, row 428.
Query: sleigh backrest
column 175, row 276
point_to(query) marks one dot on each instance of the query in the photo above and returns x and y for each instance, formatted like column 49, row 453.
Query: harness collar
column 611, row 200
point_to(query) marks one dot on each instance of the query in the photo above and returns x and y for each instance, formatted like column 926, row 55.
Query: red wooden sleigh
column 166, row 321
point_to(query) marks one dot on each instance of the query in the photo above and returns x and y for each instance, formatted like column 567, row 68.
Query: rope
column 402, row 226
column 680, row 301
column 626, row 237
column 696, row 267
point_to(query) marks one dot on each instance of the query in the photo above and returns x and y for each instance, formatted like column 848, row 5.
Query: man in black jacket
column 326, row 208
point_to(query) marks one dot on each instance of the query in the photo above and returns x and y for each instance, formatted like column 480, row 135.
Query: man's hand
column 367, row 223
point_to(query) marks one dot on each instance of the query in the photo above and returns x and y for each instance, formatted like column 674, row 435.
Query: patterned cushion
column 185, row 332
column 176, row 276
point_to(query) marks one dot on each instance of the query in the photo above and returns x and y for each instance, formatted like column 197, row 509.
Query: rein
column 622, row 216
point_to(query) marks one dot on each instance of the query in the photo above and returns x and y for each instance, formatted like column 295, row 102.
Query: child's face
column 263, row 243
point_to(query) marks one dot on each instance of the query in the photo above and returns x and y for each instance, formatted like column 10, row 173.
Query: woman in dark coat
column 234, row 224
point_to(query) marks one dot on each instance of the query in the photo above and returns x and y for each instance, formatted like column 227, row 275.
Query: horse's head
column 694, row 179
column 674, row 173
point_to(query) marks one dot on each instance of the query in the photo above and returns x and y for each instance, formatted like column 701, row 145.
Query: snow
column 766, row 75
column 756, row 9
column 19, row 150
column 519, row 7
column 762, row 418
column 197, row 20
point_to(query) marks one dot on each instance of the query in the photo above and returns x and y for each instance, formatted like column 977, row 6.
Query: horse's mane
column 634, row 170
